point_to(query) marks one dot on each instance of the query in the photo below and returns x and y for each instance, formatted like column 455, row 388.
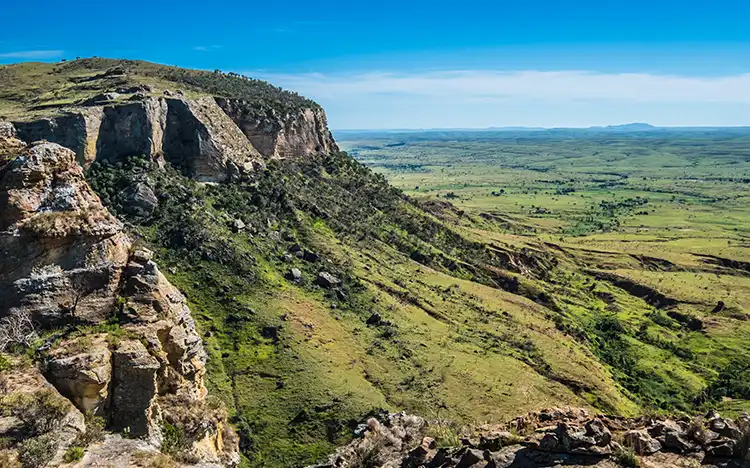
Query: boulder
column 676, row 442
column 310, row 256
column 725, row 428
column 469, row 457
column 7, row 130
column 81, row 369
column 103, row 98
column 599, row 432
column 722, row 447
column 295, row 275
column 140, row 199
column 238, row 225
column 327, row 280
column 495, row 441
column 374, row 319
column 641, row 442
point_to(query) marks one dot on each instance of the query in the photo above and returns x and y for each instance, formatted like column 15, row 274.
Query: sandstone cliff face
column 281, row 136
column 130, row 129
column 209, row 139
column 68, row 262
column 202, row 140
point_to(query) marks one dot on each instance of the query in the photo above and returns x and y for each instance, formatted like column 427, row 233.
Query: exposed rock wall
column 131, row 129
column 202, row 140
column 68, row 130
column 67, row 261
column 282, row 136
column 195, row 135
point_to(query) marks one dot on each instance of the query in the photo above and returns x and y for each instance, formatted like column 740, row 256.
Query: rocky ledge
column 555, row 437
column 119, row 344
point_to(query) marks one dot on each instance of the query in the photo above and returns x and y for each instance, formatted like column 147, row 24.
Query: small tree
column 17, row 329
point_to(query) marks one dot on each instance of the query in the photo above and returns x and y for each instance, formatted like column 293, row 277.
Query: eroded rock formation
column 62, row 251
column 67, row 262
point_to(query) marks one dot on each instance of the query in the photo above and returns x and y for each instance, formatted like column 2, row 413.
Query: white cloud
column 206, row 48
column 32, row 54
column 558, row 85
column 483, row 98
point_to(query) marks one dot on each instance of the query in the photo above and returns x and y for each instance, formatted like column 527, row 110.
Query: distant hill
column 630, row 127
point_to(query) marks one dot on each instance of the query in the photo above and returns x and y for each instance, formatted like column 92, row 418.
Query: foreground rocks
column 557, row 437
column 68, row 263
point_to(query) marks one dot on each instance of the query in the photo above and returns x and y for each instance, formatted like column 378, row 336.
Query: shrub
column 37, row 452
column 445, row 433
column 40, row 412
column 627, row 457
column 4, row 362
column 369, row 454
column 176, row 445
column 94, row 431
column 73, row 454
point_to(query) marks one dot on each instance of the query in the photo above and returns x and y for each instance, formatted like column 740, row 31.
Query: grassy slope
column 34, row 89
column 455, row 349
column 486, row 322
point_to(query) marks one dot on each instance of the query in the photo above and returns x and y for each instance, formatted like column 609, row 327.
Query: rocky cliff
column 119, row 340
column 304, row 132
column 210, row 139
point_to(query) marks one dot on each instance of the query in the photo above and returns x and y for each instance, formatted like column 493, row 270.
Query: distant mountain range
column 621, row 128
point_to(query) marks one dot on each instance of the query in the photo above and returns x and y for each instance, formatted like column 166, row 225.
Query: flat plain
column 654, row 223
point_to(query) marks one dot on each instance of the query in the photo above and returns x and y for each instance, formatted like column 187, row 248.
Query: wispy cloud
column 569, row 85
column 32, row 54
column 206, row 48
column 484, row 98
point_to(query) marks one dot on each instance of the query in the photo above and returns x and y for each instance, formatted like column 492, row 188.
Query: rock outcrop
column 304, row 133
column 131, row 129
column 210, row 139
column 81, row 371
column 34, row 412
column 567, row 437
column 67, row 262
column 62, row 251
column 202, row 140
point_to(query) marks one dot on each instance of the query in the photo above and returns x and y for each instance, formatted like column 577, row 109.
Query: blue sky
column 402, row 64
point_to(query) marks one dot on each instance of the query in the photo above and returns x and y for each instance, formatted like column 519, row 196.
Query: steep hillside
column 321, row 293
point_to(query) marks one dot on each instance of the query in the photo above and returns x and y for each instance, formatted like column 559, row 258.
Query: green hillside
column 487, row 288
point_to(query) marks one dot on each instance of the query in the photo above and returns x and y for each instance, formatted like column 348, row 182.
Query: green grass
column 603, row 201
